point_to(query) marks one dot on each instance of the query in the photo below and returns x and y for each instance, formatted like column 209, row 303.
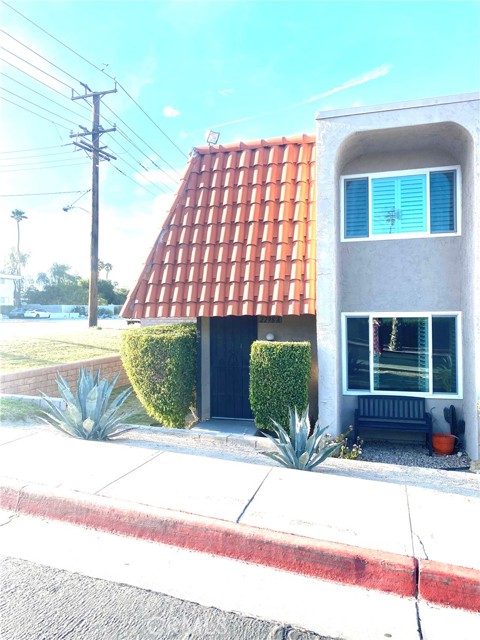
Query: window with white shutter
column 401, row 204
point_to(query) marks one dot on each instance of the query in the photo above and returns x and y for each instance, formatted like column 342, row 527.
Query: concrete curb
column 388, row 572
column 449, row 585
column 392, row 573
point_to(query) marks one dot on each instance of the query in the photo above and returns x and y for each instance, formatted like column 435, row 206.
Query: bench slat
column 393, row 412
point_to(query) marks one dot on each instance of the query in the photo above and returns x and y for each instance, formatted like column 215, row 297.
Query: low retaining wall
column 35, row 381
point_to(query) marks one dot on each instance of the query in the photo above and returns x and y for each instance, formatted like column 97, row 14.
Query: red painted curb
column 370, row 569
column 449, row 585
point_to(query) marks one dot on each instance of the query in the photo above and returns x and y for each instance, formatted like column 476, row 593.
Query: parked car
column 17, row 313
column 36, row 313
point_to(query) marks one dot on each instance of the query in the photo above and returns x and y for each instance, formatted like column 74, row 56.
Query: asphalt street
column 51, row 604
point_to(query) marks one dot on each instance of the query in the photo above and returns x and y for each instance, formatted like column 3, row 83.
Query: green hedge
column 279, row 377
column 160, row 362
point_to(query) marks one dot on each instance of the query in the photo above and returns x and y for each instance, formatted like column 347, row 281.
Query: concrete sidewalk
column 411, row 533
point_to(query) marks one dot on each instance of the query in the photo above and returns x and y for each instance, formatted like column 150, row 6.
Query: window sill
column 413, row 394
column 404, row 236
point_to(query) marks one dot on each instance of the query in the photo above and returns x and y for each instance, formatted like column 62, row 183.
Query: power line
column 55, row 146
column 58, row 166
column 42, row 57
column 133, row 180
column 101, row 71
column 38, row 106
column 37, row 155
column 79, row 197
column 43, row 96
column 111, row 77
column 145, row 178
column 35, row 114
column 137, row 161
column 124, row 135
column 48, row 193
column 151, row 120
column 84, row 106
column 57, row 40
column 145, row 143
column 30, row 164
column 37, row 68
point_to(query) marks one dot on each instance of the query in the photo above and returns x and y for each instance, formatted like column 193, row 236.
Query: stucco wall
column 34, row 382
column 426, row 275
column 434, row 274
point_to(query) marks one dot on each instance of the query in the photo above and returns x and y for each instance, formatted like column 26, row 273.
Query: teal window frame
column 393, row 233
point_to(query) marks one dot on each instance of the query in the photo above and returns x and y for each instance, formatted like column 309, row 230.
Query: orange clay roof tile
column 239, row 238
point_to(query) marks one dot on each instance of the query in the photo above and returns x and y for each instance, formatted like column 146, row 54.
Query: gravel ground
column 410, row 455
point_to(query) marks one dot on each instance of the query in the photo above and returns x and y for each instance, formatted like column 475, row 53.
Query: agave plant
column 296, row 449
column 88, row 414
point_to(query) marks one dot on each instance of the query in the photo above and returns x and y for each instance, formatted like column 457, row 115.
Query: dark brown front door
column 230, row 342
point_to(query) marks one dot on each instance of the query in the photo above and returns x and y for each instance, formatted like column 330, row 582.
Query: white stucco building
column 7, row 288
column 398, row 257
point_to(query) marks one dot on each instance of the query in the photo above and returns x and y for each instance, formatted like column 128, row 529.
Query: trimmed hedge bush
column 279, row 377
column 160, row 362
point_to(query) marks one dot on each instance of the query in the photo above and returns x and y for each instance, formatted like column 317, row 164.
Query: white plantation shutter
column 413, row 203
column 384, row 202
column 399, row 204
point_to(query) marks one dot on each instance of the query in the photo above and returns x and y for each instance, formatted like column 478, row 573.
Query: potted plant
column 443, row 443
column 457, row 427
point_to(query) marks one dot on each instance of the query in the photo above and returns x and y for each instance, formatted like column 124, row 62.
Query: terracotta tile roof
column 239, row 238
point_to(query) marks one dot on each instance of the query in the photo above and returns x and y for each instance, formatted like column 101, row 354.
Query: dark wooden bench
column 394, row 413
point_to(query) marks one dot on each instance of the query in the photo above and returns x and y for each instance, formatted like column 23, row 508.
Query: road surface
column 51, row 604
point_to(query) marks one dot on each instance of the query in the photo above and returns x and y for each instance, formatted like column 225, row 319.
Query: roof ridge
column 298, row 138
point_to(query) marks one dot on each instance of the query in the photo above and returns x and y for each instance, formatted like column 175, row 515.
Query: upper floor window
column 398, row 204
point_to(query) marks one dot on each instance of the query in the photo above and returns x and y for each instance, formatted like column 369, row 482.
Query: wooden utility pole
column 97, row 154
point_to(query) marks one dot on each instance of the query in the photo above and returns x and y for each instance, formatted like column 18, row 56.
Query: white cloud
column 224, row 124
column 374, row 74
column 225, row 92
column 170, row 112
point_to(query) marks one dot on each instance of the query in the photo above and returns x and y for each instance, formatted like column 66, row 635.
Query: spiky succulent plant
column 88, row 414
column 297, row 449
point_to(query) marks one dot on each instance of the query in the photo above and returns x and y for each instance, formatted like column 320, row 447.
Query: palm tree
column 59, row 273
column 18, row 216
column 107, row 268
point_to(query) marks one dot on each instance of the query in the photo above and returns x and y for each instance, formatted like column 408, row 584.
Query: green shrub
column 160, row 362
column 279, row 377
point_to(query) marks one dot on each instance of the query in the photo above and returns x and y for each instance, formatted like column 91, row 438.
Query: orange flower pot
column 443, row 443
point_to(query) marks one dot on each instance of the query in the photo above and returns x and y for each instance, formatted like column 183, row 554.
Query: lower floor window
column 407, row 353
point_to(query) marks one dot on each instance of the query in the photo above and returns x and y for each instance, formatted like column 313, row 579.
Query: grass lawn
column 43, row 351
column 13, row 410
column 21, row 411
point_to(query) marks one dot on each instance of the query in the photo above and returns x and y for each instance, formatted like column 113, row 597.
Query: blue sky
column 247, row 69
